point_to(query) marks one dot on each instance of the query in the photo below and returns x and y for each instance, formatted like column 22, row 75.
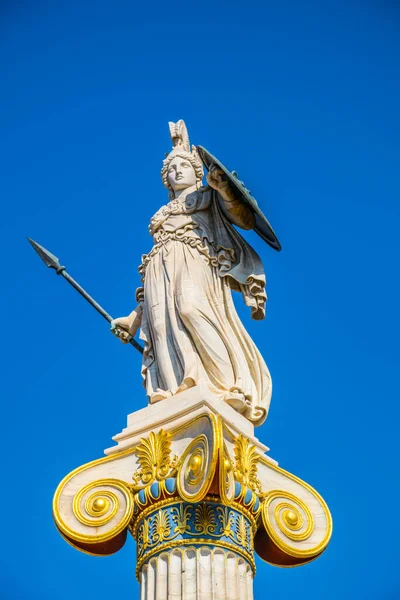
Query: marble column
column 199, row 573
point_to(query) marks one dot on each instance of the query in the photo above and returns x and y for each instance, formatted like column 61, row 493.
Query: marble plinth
column 178, row 410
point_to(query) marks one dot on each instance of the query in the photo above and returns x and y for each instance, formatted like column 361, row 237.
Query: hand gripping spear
column 52, row 261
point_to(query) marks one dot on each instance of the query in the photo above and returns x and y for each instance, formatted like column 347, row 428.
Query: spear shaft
column 53, row 263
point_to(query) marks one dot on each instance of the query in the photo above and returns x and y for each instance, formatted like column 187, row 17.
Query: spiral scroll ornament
column 196, row 470
column 101, row 511
column 291, row 526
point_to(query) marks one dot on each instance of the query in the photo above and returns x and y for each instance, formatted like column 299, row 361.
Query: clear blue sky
column 302, row 99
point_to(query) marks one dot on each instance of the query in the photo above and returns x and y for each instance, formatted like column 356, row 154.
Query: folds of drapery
column 190, row 327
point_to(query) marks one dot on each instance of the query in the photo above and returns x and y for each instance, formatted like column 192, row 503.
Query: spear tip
column 47, row 257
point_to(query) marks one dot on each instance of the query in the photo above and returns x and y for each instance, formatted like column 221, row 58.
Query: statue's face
column 181, row 174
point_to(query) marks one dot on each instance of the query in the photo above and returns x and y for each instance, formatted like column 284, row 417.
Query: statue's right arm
column 125, row 328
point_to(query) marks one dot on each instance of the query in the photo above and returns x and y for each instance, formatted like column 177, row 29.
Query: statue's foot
column 159, row 395
column 236, row 399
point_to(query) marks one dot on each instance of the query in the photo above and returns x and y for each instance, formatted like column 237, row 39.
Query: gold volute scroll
column 194, row 472
column 198, row 463
column 288, row 535
column 101, row 512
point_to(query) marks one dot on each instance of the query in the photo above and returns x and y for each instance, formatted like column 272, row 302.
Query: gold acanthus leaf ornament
column 246, row 460
column 154, row 457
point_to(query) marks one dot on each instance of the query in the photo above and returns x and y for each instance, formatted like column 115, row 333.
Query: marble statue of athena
column 191, row 331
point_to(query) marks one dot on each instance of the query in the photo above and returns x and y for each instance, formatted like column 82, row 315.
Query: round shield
column 262, row 226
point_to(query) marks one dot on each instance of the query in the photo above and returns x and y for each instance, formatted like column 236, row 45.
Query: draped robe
column 190, row 327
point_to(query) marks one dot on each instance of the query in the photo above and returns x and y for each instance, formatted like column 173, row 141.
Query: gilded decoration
column 246, row 460
column 227, row 519
column 99, row 508
column 242, row 533
column 288, row 522
column 104, row 509
column 161, row 526
column 176, row 507
column 154, row 457
column 144, row 535
column 226, row 473
column 173, row 522
column 205, row 522
column 197, row 466
column 181, row 515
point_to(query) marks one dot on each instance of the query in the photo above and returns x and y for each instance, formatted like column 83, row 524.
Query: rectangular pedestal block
column 197, row 574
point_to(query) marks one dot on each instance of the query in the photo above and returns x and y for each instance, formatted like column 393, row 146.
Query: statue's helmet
column 181, row 147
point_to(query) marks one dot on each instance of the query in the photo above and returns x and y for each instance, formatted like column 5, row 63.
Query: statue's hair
column 192, row 157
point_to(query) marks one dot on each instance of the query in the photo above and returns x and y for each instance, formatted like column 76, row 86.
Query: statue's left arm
column 240, row 213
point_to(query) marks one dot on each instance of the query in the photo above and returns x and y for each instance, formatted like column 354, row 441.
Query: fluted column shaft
column 197, row 574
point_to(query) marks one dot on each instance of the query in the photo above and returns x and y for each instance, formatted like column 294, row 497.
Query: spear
column 52, row 261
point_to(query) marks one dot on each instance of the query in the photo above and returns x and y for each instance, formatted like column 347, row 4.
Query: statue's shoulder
column 161, row 212
column 199, row 199
column 193, row 199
